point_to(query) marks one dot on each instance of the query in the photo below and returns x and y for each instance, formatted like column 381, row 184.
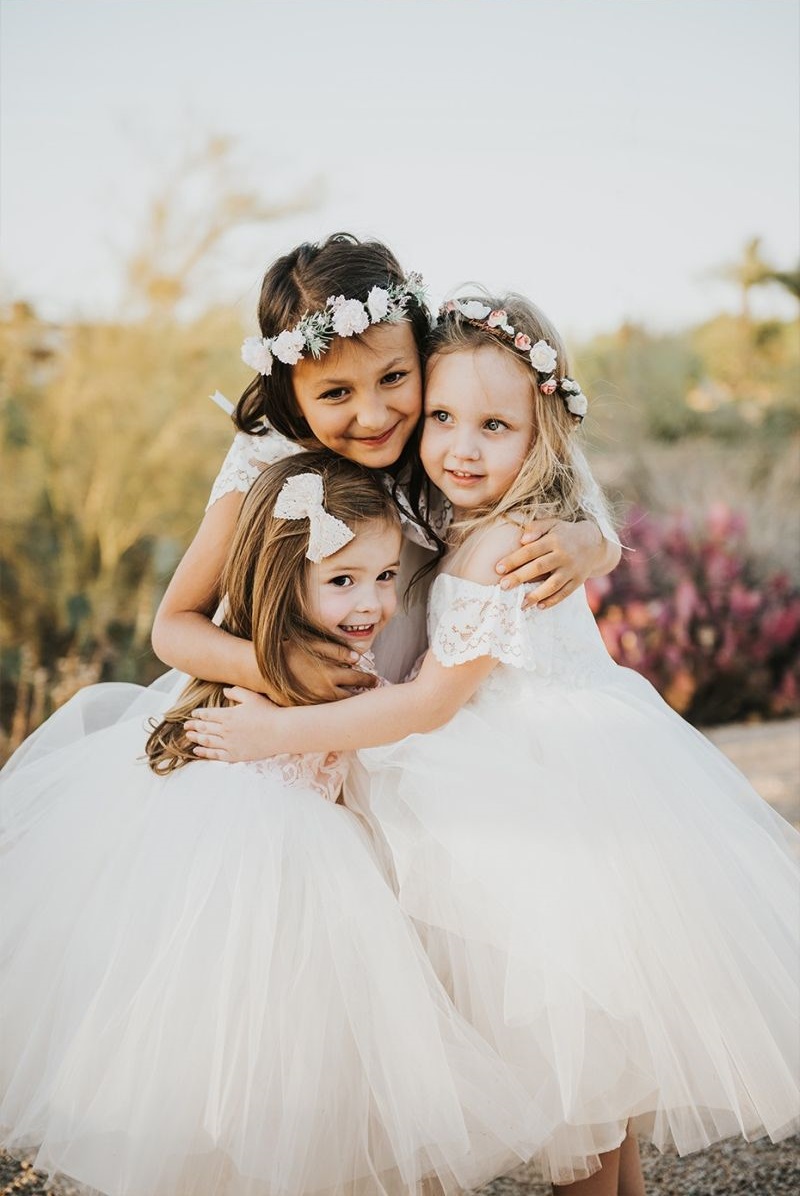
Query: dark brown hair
column 265, row 587
column 302, row 281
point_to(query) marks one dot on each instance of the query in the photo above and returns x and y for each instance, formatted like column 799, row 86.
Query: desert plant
column 688, row 610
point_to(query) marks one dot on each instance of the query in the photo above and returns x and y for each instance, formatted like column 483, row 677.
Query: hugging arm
column 564, row 554
column 183, row 634
column 254, row 728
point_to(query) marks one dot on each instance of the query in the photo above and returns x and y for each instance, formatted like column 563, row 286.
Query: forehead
column 352, row 356
column 378, row 540
column 486, row 378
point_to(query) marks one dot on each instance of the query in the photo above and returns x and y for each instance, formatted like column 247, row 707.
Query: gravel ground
column 769, row 754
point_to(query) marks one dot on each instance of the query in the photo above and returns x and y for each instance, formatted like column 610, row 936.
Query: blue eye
column 439, row 417
column 494, row 425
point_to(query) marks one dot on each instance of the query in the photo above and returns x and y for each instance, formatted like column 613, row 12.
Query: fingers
column 205, row 753
column 338, row 655
column 534, row 531
column 523, row 569
column 551, row 592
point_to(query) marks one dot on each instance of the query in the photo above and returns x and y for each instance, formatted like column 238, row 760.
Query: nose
column 464, row 445
column 368, row 601
column 371, row 412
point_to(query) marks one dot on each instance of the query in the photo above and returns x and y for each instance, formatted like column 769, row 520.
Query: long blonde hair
column 265, row 586
column 554, row 480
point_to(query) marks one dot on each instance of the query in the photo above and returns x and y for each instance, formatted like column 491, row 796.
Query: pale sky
column 602, row 156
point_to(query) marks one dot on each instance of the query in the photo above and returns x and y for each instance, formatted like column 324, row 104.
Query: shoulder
column 478, row 557
column 246, row 458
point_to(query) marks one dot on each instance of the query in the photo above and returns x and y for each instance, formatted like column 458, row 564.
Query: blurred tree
column 109, row 453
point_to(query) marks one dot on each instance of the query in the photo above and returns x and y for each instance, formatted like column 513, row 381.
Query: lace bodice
column 561, row 645
column 322, row 773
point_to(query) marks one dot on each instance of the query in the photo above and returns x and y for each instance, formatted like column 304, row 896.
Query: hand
column 332, row 678
column 247, row 730
column 565, row 554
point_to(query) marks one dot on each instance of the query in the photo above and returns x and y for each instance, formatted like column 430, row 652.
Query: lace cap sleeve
column 469, row 620
column 246, row 458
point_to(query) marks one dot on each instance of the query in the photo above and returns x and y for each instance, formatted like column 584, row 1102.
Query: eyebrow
column 384, row 369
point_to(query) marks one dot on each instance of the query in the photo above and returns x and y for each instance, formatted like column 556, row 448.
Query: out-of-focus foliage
column 109, row 445
column 691, row 611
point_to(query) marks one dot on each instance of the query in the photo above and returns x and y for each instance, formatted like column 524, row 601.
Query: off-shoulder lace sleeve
column 469, row 620
column 247, row 456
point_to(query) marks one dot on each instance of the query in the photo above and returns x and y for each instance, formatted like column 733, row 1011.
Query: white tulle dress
column 208, row 987
column 608, row 900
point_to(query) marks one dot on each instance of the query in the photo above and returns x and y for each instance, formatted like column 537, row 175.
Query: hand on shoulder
column 476, row 559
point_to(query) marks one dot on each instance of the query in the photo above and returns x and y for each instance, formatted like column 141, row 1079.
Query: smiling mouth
column 357, row 630
column 377, row 441
column 460, row 475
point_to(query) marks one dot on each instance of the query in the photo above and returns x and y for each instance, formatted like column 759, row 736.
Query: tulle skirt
column 611, row 905
column 208, row 986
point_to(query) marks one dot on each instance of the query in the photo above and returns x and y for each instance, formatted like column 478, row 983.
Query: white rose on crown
column 378, row 304
column 578, row 403
column 288, row 346
column 256, row 354
column 569, row 386
column 350, row 318
column 473, row 310
column 543, row 357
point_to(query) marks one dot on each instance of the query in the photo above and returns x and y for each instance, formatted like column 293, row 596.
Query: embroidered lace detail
column 246, row 458
column 476, row 620
column 322, row 774
column 561, row 645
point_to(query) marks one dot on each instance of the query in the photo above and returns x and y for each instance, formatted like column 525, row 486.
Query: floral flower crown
column 339, row 317
column 541, row 355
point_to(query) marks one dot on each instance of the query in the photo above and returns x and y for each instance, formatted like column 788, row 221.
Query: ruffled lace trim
column 471, row 620
column 247, row 457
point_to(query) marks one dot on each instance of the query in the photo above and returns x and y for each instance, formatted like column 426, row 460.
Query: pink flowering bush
column 688, row 610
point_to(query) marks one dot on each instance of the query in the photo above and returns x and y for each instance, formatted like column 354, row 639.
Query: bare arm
column 255, row 728
column 183, row 634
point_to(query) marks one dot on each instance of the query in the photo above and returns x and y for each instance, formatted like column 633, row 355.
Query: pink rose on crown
column 497, row 319
column 522, row 341
column 543, row 358
column 288, row 346
column 548, row 388
column 350, row 318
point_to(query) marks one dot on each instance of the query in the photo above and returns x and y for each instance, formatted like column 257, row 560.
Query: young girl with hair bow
column 208, row 986
column 607, row 899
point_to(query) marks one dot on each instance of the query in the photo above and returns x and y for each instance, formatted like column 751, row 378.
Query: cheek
column 429, row 444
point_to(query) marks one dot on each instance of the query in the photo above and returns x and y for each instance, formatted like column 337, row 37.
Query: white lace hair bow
column 301, row 497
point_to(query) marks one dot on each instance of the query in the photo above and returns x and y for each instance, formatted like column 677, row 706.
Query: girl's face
column 363, row 398
column 354, row 592
column 478, row 425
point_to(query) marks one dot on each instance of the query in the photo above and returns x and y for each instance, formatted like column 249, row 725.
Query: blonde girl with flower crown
column 208, row 985
column 609, row 902
column 338, row 365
